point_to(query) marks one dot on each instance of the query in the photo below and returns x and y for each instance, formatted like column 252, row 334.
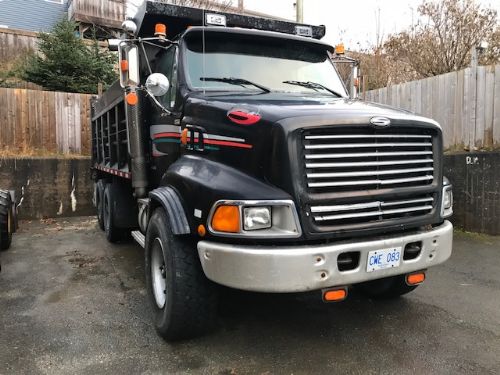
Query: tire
column 99, row 197
column 6, row 220
column 173, row 270
column 113, row 233
column 386, row 288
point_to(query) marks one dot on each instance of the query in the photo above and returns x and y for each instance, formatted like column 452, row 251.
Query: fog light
column 255, row 218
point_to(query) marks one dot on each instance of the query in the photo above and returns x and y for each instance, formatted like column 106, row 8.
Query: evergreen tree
column 65, row 63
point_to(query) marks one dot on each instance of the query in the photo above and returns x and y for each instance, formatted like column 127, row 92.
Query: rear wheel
column 6, row 220
column 386, row 288
column 183, row 300
column 113, row 233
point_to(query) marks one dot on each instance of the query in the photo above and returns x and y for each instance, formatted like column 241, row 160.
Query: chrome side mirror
column 157, row 84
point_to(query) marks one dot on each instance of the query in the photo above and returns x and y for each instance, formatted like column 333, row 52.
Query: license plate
column 383, row 259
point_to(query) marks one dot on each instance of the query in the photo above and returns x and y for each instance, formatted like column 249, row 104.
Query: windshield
column 235, row 62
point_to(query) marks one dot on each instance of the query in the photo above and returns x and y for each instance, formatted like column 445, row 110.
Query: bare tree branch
column 442, row 40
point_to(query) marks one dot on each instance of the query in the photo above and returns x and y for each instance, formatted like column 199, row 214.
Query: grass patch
column 481, row 237
column 10, row 153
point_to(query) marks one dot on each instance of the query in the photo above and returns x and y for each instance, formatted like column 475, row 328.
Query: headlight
column 447, row 204
column 270, row 218
column 255, row 218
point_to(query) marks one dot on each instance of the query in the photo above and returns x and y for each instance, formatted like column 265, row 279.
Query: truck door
column 165, row 129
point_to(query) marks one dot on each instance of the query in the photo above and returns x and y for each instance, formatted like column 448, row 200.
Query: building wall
column 49, row 187
column 31, row 15
column 476, row 189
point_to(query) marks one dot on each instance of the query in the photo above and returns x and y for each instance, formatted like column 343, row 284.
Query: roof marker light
column 160, row 30
column 340, row 49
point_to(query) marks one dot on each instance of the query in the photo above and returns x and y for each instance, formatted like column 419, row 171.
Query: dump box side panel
column 110, row 153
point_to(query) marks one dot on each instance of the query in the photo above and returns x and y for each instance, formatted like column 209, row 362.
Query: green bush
column 64, row 62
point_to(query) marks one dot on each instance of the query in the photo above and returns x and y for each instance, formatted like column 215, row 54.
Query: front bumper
column 282, row 269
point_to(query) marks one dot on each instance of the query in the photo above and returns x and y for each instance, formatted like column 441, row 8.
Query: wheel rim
column 158, row 273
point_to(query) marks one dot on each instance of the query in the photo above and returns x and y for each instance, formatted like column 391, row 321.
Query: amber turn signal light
column 132, row 98
column 226, row 219
column 202, row 231
column 334, row 295
column 415, row 278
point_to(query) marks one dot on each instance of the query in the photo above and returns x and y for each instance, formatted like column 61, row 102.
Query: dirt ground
column 72, row 303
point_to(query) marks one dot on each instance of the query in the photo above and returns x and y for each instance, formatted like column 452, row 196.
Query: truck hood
column 275, row 107
column 263, row 149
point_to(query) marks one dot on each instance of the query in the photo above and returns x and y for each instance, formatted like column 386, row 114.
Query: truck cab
column 232, row 151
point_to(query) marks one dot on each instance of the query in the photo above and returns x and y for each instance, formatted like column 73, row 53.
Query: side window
column 168, row 66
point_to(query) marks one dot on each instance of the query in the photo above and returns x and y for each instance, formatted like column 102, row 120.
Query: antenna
column 203, row 51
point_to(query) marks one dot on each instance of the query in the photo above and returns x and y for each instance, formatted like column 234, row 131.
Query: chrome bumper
column 302, row 268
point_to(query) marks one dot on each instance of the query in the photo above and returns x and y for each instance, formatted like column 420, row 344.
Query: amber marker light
column 184, row 137
column 339, row 49
column 160, row 30
column 124, row 65
column 202, row 231
column 226, row 219
column 334, row 295
column 415, row 278
column 132, row 98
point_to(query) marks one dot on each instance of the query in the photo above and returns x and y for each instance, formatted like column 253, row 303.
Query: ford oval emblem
column 380, row 122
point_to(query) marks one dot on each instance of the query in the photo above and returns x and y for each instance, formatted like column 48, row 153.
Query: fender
column 201, row 182
column 168, row 198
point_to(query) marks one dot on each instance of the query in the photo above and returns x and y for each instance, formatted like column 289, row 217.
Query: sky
column 353, row 22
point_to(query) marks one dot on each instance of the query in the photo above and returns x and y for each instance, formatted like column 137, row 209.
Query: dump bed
column 109, row 133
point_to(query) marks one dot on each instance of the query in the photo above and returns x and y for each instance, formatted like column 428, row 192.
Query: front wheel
column 386, row 288
column 183, row 300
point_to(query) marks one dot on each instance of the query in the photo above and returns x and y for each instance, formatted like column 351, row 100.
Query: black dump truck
column 232, row 152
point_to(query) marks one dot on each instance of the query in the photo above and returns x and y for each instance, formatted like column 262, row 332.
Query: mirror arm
column 158, row 46
column 155, row 100
column 146, row 57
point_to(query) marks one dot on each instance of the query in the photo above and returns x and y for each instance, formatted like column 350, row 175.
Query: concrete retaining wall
column 49, row 187
column 476, row 188
column 62, row 187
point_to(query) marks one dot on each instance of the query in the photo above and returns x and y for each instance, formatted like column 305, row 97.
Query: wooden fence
column 44, row 121
column 466, row 103
column 15, row 44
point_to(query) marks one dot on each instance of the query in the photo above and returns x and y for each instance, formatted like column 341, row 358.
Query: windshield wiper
column 314, row 86
column 235, row 81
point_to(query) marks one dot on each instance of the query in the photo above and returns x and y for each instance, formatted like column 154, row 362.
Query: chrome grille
column 372, row 210
column 363, row 158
